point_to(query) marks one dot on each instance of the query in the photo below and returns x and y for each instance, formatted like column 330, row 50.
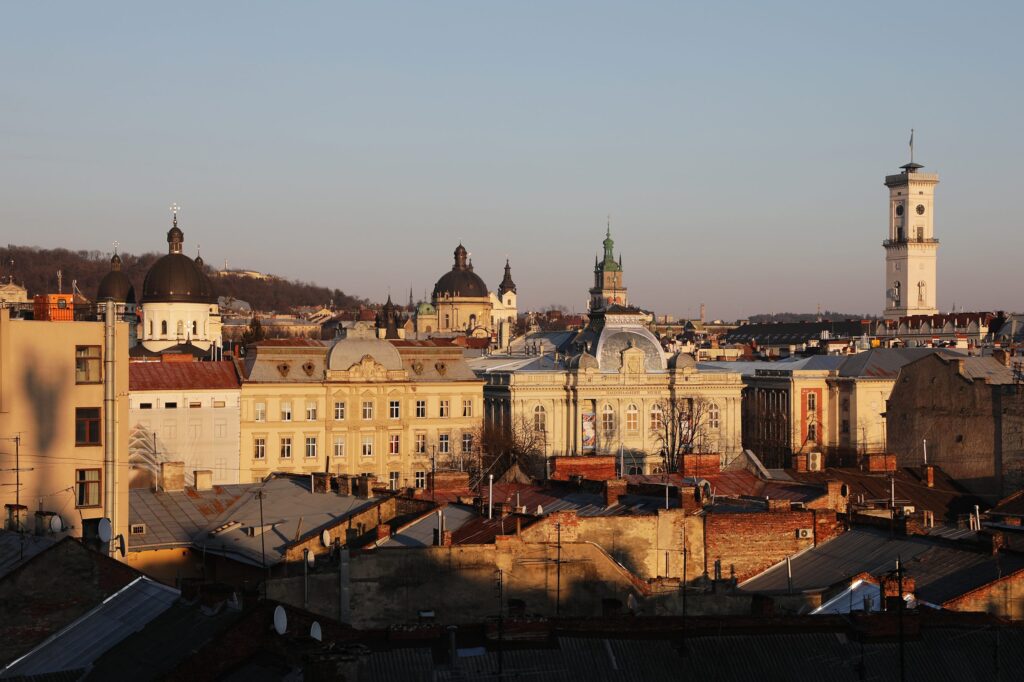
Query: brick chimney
column 203, row 479
column 881, row 462
column 446, row 539
column 172, row 477
column 364, row 486
column 929, row 475
column 777, row 505
column 689, row 498
column 834, row 491
column 383, row 531
column 800, row 462
column 614, row 488
column 1002, row 356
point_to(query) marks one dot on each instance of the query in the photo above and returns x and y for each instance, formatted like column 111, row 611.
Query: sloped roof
column 172, row 518
column 17, row 548
column 885, row 362
column 182, row 376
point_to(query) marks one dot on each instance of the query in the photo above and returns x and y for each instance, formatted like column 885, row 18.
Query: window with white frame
column 467, row 443
column 339, row 447
column 714, row 416
column 394, row 444
column 286, row 447
column 310, row 411
column 394, row 409
column 261, row 412
column 420, row 478
column 286, row 411
column 443, row 444
column 812, row 402
column 467, row 408
column 367, row 409
column 443, row 409
column 421, row 409
column 339, row 410
column 632, row 418
column 394, row 480
column 421, row 443
column 608, row 419
column 367, row 446
column 310, row 446
column 259, row 447
column 657, row 418
column 540, row 419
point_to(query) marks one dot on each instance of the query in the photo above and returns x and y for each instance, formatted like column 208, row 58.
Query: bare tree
column 681, row 427
column 499, row 446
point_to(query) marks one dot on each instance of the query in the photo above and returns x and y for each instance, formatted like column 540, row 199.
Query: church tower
column 608, row 289
column 911, row 249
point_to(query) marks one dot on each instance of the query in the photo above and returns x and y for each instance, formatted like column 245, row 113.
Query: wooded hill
column 36, row 270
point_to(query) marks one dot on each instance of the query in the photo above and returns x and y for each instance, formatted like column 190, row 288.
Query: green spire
column 609, row 264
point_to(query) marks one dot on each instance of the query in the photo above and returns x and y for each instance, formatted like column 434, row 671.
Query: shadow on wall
column 45, row 404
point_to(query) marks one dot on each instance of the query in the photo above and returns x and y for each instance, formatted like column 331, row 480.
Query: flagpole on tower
column 911, row 145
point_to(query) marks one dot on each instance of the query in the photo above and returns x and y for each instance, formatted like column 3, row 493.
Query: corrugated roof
column 87, row 638
column 420, row 533
column 17, row 548
column 173, row 518
column 941, row 570
column 181, row 376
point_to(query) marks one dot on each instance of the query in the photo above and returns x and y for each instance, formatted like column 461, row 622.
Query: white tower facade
column 911, row 248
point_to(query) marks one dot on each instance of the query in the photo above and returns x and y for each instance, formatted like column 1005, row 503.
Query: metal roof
column 171, row 519
column 87, row 638
column 17, row 548
column 182, row 376
column 420, row 533
column 941, row 570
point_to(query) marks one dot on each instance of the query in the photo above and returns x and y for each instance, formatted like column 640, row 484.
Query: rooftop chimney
column 203, row 479
column 172, row 477
column 613, row 490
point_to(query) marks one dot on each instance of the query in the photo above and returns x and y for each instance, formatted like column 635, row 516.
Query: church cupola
column 507, row 284
column 460, row 258
column 175, row 237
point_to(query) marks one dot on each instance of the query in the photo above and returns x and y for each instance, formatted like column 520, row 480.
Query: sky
column 738, row 148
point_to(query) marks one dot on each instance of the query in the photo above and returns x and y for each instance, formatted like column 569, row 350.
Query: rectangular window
column 286, row 411
column 467, row 408
column 367, row 446
column 87, row 426
column 219, row 403
column 286, row 447
column 339, row 411
column 87, row 487
column 87, row 365
column 339, row 447
column 145, row 406
column 259, row 448
column 394, row 409
column 421, row 443
column 421, row 479
column 812, row 433
column 394, row 444
column 846, row 426
column 467, row 442
column 812, row 402
column 261, row 412
column 443, row 444
column 172, row 405
column 443, row 410
column 220, row 430
column 310, row 446
column 394, row 479
column 367, row 409
column 421, row 409
column 195, row 404
column 311, row 412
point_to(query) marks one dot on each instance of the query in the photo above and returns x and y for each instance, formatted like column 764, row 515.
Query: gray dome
column 347, row 352
column 613, row 342
column 115, row 285
column 460, row 280
column 682, row 361
column 176, row 278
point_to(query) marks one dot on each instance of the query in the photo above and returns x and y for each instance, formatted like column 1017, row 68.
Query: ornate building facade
column 609, row 388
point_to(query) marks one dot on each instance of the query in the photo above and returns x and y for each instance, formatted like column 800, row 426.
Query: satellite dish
column 105, row 530
column 120, row 545
column 316, row 632
column 311, row 559
column 280, row 620
column 325, row 537
column 56, row 525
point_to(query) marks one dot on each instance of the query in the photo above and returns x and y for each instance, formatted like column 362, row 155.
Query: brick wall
column 750, row 542
column 1003, row 597
column 701, row 464
column 590, row 467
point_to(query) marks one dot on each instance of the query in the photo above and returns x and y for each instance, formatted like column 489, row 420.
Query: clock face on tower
column 899, row 209
column 920, row 209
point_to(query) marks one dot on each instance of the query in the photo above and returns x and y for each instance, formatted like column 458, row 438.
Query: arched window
column 657, row 418
column 896, row 293
column 447, row 321
column 632, row 418
column 163, row 327
column 151, row 327
column 195, row 328
column 181, row 328
column 540, row 419
column 714, row 416
column 472, row 321
column 608, row 419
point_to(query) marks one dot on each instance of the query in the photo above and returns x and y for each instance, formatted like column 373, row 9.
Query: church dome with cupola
column 176, row 277
column 115, row 285
column 460, row 281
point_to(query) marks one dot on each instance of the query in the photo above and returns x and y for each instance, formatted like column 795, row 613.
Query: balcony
column 897, row 242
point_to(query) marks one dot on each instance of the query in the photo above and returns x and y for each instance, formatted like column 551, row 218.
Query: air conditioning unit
column 805, row 533
column 814, row 461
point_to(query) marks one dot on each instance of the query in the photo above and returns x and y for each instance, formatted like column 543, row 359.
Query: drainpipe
column 490, row 497
column 109, row 416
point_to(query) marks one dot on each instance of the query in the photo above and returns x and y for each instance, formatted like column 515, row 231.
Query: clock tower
column 911, row 248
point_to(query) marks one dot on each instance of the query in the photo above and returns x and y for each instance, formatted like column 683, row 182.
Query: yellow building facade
column 360, row 405
column 65, row 463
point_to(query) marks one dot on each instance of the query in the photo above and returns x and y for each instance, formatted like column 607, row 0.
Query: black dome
column 115, row 284
column 461, row 280
column 175, row 278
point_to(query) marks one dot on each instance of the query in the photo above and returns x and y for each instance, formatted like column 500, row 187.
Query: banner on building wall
column 589, row 431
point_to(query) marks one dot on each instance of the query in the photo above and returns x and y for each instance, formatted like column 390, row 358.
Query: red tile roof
column 181, row 376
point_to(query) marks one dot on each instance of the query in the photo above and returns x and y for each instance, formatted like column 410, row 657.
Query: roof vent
column 224, row 528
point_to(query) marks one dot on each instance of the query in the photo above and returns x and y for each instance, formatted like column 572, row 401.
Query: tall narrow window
column 608, row 419
column 394, row 444
column 260, row 412
column 367, row 409
column 812, row 402
column 443, row 444
column 87, row 426
column 286, row 411
column 339, row 447
column 443, row 410
column 714, row 416
column 286, row 447
column 163, row 327
column 657, row 418
column 87, row 487
column 421, row 443
column 421, row 409
column 339, row 410
column 87, row 365
column 467, row 443
column 311, row 412
column 467, row 408
column 310, row 446
column 540, row 419
column 259, row 448
column 394, row 409
column 632, row 418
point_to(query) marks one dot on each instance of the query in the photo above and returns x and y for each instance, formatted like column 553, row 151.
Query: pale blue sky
column 739, row 147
